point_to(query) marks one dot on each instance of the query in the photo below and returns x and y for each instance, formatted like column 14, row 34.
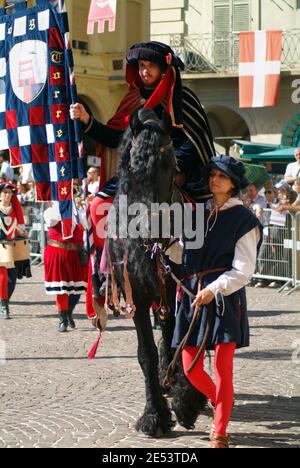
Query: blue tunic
column 230, row 319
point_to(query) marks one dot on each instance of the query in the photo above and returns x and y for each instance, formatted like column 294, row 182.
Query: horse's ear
column 135, row 123
column 167, row 122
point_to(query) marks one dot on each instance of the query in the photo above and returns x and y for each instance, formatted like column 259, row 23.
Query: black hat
column 8, row 185
column 155, row 52
column 231, row 167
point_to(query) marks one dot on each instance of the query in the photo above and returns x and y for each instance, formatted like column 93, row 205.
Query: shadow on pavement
column 270, row 313
column 269, row 355
column 276, row 327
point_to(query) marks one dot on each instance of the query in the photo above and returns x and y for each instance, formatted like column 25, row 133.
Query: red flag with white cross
column 259, row 68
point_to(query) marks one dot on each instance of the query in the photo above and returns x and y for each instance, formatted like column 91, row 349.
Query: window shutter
column 222, row 28
column 230, row 16
column 240, row 22
column 222, row 21
column 241, row 15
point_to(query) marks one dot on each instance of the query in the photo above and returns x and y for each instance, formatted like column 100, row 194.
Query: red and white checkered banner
column 37, row 86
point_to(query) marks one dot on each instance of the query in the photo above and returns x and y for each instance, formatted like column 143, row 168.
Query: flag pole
column 259, row 15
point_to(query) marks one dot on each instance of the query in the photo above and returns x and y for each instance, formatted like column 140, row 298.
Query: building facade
column 100, row 59
column 205, row 34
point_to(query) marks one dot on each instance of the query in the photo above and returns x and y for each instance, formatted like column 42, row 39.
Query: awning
column 254, row 148
column 257, row 174
column 265, row 152
column 279, row 155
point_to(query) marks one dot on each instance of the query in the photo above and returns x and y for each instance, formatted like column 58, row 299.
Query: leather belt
column 61, row 245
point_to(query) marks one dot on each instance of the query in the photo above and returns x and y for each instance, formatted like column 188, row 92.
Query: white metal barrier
column 279, row 258
column 35, row 226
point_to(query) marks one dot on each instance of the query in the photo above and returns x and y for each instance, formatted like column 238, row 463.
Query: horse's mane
column 140, row 161
column 140, row 181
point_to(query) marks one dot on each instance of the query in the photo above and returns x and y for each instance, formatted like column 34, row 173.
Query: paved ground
column 52, row 396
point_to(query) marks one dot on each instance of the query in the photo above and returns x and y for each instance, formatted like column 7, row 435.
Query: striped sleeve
column 196, row 126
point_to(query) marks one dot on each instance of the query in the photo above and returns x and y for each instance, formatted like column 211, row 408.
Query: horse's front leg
column 157, row 419
column 187, row 402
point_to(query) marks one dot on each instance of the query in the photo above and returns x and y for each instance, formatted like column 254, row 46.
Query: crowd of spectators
column 270, row 204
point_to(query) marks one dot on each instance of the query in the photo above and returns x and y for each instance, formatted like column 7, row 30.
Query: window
column 230, row 16
column 80, row 45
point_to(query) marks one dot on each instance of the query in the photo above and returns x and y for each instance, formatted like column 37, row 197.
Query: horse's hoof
column 154, row 427
column 172, row 424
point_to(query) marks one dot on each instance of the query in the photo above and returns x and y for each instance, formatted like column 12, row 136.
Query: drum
column 21, row 250
column 6, row 252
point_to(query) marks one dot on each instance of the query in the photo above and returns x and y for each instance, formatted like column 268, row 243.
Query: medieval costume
column 191, row 134
column 223, row 266
column 65, row 267
column 12, row 226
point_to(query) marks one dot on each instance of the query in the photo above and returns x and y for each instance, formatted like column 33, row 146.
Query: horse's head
column 149, row 157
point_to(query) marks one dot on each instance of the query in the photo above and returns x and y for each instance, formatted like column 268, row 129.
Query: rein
column 195, row 320
column 130, row 309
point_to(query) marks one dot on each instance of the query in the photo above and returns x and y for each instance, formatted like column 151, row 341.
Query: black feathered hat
column 155, row 52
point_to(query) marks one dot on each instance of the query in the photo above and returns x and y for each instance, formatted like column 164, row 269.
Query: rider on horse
column 153, row 77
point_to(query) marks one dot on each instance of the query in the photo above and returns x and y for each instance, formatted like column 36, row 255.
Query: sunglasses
column 269, row 192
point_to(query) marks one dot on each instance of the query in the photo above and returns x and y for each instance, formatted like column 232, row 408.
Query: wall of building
column 220, row 99
column 196, row 16
column 276, row 15
column 100, row 69
column 220, row 93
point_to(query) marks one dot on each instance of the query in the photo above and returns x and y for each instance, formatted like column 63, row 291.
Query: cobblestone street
column 52, row 396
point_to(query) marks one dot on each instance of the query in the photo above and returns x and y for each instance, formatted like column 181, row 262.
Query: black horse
column 146, row 176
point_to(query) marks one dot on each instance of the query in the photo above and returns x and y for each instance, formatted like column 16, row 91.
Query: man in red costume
column 65, row 274
column 154, row 81
column 12, row 225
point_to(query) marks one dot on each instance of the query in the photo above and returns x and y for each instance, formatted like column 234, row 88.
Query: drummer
column 12, row 225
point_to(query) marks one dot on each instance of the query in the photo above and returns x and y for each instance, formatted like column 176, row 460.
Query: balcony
column 206, row 53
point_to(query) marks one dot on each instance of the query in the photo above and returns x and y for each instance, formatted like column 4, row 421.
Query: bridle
column 129, row 309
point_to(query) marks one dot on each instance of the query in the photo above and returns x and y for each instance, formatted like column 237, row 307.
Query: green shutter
column 230, row 16
column 222, row 17
column 240, row 22
column 222, row 28
column 241, row 15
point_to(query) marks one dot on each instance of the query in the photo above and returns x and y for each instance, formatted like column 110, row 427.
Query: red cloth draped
column 132, row 101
